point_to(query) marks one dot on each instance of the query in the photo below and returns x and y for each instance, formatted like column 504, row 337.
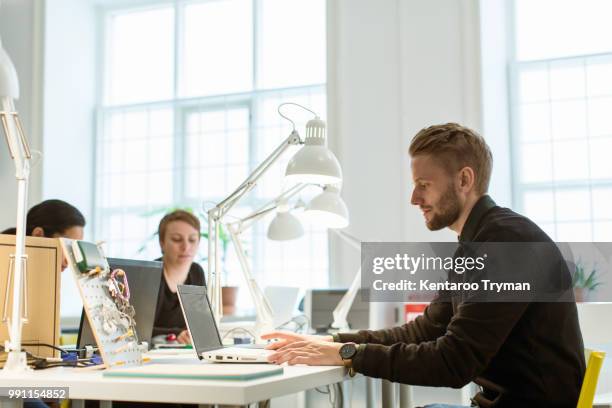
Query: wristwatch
column 347, row 352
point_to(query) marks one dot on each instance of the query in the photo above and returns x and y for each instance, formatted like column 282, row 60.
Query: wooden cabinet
column 43, row 291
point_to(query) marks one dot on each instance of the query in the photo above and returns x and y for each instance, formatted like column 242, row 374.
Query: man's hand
column 308, row 352
column 184, row 337
column 285, row 338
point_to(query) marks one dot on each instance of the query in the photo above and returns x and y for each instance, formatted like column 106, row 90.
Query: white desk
column 93, row 385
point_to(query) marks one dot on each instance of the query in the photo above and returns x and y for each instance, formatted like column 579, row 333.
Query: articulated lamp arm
column 20, row 153
column 216, row 215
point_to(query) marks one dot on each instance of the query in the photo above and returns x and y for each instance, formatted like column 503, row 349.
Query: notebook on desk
column 234, row 372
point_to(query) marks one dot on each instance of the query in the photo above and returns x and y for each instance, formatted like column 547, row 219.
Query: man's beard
column 448, row 211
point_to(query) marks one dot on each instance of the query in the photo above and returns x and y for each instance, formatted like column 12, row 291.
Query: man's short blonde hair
column 456, row 147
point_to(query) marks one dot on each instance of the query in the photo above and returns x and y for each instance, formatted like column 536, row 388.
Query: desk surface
column 92, row 385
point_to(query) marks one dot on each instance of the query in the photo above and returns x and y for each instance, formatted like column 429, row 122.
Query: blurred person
column 53, row 219
column 179, row 239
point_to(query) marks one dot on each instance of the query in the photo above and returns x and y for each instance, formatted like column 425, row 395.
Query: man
column 526, row 354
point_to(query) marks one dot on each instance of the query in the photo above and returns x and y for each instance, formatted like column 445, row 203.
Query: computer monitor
column 144, row 279
column 43, row 287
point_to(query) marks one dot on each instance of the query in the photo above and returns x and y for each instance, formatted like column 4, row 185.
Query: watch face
column 348, row 350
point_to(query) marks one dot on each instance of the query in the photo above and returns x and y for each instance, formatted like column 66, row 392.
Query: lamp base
column 16, row 362
column 340, row 326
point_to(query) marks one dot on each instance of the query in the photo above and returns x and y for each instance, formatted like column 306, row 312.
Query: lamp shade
column 314, row 163
column 9, row 84
column 284, row 227
column 328, row 209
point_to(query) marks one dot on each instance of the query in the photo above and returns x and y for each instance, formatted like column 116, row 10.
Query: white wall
column 69, row 101
column 395, row 68
column 52, row 44
column 21, row 34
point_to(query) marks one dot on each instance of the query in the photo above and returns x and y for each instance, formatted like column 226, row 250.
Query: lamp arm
column 343, row 308
column 264, row 312
column 216, row 214
column 20, row 153
column 226, row 205
column 246, row 222
column 348, row 238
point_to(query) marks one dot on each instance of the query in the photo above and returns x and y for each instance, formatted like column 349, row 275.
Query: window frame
column 181, row 107
column 519, row 187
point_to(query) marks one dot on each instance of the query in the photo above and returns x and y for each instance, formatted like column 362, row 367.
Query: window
column 188, row 109
column 562, row 135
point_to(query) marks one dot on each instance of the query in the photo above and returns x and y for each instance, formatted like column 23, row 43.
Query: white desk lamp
column 284, row 227
column 314, row 163
column 20, row 153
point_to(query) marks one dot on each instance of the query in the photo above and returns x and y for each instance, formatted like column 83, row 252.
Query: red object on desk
column 171, row 337
column 413, row 310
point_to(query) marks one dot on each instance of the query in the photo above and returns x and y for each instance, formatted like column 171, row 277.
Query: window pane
column 599, row 76
column 217, row 147
column 574, row 232
column 601, row 163
column 292, row 50
column 159, row 190
column 602, row 204
column 217, row 53
column 567, row 79
column 602, row 231
column 600, row 110
column 571, row 160
column 539, row 205
column 555, row 28
column 569, row 119
column 536, row 162
column 533, row 83
column 535, row 122
column 573, row 205
column 140, row 56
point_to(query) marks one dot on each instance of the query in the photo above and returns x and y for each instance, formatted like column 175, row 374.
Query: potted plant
column 584, row 282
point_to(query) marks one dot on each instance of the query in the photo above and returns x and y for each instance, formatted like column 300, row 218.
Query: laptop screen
column 199, row 318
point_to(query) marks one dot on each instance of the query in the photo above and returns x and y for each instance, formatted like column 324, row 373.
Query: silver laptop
column 205, row 334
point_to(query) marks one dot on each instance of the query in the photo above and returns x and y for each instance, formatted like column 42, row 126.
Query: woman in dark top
column 179, row 238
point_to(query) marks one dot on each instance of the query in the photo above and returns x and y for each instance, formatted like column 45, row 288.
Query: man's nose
column 415, row 199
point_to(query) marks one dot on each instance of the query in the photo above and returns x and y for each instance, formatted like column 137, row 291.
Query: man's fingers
column 294, row 345
column 308, row 360
column 278, row 335
column 276, row 345
column 290, row 356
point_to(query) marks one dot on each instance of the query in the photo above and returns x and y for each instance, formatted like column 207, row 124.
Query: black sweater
column 168, row 314
column 533, row 350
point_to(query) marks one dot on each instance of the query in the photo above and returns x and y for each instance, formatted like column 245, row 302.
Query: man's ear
column 38, row 232
column 467, row 178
